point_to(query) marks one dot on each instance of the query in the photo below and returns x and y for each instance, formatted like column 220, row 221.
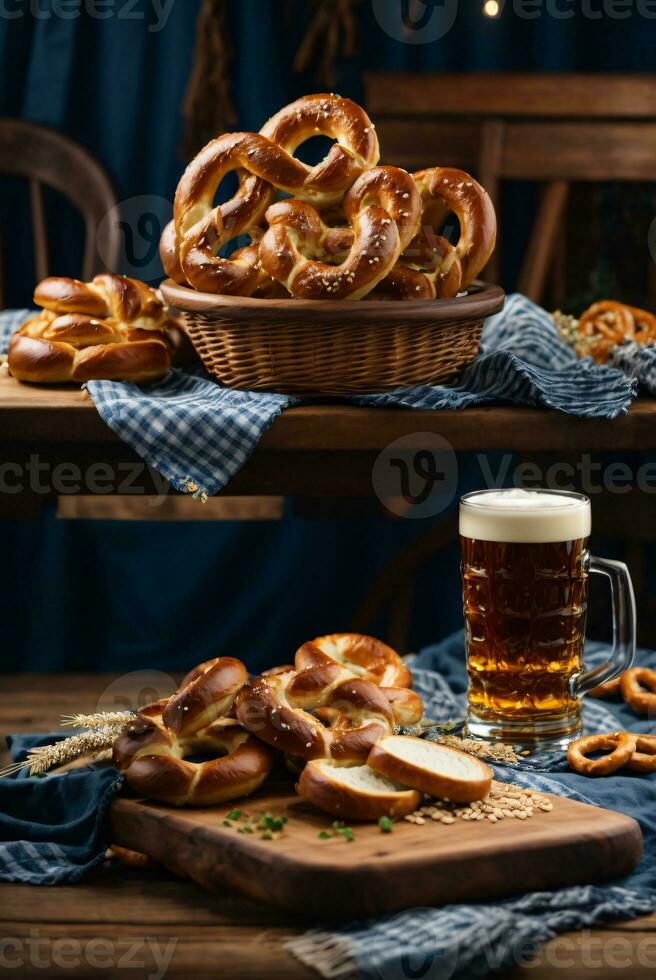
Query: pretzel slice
column 622, row 745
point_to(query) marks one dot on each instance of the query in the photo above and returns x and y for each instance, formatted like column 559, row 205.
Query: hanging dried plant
column 332, row 34
column 207, row 106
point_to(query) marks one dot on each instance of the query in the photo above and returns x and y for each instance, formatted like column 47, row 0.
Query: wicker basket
column 312, row 347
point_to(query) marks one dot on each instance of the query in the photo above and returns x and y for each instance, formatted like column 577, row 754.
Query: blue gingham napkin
column 458, row 942
column 52, row 828
column 198, row 435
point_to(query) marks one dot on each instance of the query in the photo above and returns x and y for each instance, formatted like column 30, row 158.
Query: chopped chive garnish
column 385, row 825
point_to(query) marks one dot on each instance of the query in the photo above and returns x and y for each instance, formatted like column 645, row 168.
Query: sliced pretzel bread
column 354, row 792
column 438, row 770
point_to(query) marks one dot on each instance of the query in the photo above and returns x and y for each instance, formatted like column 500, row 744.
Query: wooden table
column 209, row 935
column 325, row 450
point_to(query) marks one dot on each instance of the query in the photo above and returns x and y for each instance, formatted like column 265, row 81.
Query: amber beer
column 525, row 568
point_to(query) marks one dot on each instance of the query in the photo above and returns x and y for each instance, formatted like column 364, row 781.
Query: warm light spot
column 491, row 8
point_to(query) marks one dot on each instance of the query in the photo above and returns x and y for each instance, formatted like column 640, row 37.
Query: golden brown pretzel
column 383, row 209
column 609, row 689
column 606, row 324
column 448, row 268
column 644, row 757
column 331, row 702
column 264, row 161
column 362, row 655
column 354, row 151
column 632, row 685
column 622, row 745
column 276, row 708
column 152, row 753
column 112, row 328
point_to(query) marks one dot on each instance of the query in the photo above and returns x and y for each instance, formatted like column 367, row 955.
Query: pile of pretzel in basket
column 350, row 229
column 331, row 716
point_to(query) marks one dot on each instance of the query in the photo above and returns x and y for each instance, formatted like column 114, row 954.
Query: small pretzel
column 195, row 721
column 606, row 324
column 621, row 744
column 609, row 689
column 644, row 757
column 632, row 685
column 383, row 209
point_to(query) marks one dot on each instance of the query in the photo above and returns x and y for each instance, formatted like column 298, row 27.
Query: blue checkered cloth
column 462, row 941
column 52, row 828
column 198, row 434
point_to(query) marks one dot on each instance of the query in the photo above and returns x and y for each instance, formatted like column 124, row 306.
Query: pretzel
column 362, row 655
column 606, row 324
column 645, row 325
column 430, row 267
column 152, row 753
column 383, row 209
column 447, row 268
column 644, row 758
column 609, row 689
column 632, row 685
column 113, row 328
column 355, row 150
column 621, row 744
column 264, row 161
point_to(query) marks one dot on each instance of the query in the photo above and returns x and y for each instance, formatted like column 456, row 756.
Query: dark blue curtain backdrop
column 121, row 596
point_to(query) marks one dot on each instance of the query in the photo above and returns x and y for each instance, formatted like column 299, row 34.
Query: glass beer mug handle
column 624, row 627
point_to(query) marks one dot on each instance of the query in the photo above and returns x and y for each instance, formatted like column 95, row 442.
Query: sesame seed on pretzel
column 277, row 708
column 448, row 268
column 354, row 151
column 383, row 210
column 264, row 161
column 153, row 753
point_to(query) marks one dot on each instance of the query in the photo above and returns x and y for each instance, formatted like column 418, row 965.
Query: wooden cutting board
column 431, row 864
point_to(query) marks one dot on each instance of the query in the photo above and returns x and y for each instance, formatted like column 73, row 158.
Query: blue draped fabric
column 110, row 596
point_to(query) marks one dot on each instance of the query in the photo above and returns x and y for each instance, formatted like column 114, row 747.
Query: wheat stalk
column 102, row 719
column 96, row 742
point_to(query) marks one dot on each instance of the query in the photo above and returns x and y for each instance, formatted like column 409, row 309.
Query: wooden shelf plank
column 32, row 414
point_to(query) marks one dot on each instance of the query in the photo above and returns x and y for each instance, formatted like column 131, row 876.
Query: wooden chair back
column 549, row 128
column 47, row 158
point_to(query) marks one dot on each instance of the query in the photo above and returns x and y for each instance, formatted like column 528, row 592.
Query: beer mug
column 525, row 568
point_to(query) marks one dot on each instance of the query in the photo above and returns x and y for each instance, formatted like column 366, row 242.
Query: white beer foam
column 524, row 516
